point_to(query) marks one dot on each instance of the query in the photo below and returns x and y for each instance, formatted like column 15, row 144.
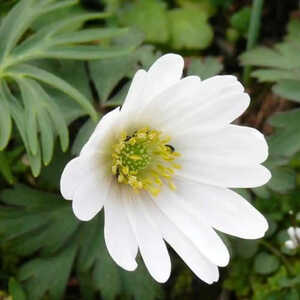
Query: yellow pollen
column 145, row 160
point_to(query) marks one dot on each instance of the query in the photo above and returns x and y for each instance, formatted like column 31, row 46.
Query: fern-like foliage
column 24, row 98
column 280, row 64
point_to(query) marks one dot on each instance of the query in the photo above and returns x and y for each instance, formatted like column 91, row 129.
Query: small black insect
column 170, row 147
column 128, row 137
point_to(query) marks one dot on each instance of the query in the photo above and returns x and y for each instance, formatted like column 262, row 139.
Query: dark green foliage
column 25, row 38
column 205, row 68
column 280, row 64
column 38, row 221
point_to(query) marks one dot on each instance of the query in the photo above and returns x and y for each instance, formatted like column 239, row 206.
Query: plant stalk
column 253, row 34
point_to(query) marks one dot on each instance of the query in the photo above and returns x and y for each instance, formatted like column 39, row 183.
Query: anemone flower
column 163, row 166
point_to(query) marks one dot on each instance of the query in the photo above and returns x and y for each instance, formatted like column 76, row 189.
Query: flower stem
column 253, row 33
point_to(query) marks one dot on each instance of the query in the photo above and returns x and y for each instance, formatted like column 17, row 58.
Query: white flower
column 162, row 167
column 294, row 234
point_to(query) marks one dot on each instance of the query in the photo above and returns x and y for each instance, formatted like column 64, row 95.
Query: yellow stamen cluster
column 144, row 160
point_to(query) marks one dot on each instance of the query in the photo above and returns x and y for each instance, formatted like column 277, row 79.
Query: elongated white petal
column 224, row 174
column 236, row 144
column 211, row 116
column 70, row 178
column 118, row 234
column 74, row 172
column 100, row 138
column 152, row 247
column 184, row 247
column 134, row 96
column 223, row 209
column 165, row 72
column 161, row 108
column 217, row 94
column 202, row 235
column 90, row 196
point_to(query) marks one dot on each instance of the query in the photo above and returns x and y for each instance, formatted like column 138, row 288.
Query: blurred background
column 64, row 64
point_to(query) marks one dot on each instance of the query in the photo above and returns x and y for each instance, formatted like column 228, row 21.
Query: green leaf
column 75, row 73
column 292, row 295
column 43, row 224
column 45, row 117
column 285, row 141
column 84, row 52
column 240, row 20
column 280, row 64
column 265, row 263
column 38, row 30
column 293, row 30
column 16, row 290
column 88, row 35
column 262, row 192
column 205, row 68
column 245, row 248
column 200, row 5
column 283, row 180
column 83, row 135
column 267, row 75
column 19, row 20
column 56, row 82
column 18, row 115
column 55, row 16
column 48, row 274
column 5, row 168
column 109, row 72
column 289, row 89
column 13, row 27
column 115, row 73
column 283, row 56
column 148, row 16
column 5, row 120
column 189, row 29
column 49, row 178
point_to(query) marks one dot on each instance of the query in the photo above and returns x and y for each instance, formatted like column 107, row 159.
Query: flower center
column 144, row 160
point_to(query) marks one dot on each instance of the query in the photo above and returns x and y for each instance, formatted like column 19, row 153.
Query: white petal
column 294, row 233
column 201, row 234
column 185, row 248
column 166, row 71
column 70, row 177
column 161, row 108
column 151, row 244
column 211, row 116
column 223, row 209
column 218, row 86
column 118, row 234
column 236, row 144
column 290, row 244
column 73, row 173
column 90, row 196
column 133, row 98
column 224, row 174
column 100, row 138
column 201, row 108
